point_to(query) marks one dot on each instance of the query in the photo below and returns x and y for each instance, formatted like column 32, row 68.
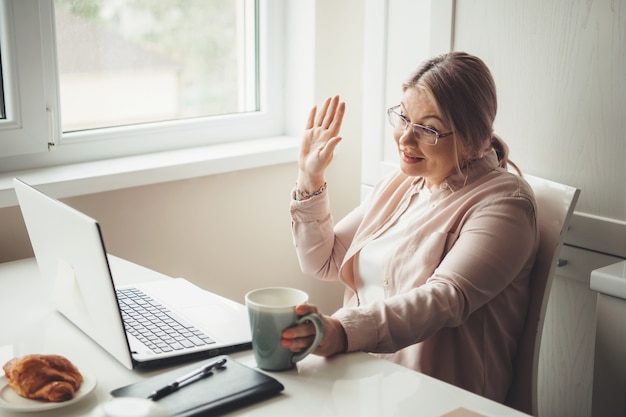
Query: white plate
column 10, row 400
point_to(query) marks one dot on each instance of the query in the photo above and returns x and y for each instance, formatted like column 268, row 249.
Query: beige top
column 456, row 288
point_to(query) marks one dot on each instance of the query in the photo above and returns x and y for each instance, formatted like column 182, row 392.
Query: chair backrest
column 555, row 206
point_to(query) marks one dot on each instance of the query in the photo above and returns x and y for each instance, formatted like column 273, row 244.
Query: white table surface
column 346, row 385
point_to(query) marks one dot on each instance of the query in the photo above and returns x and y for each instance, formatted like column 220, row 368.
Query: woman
column 436, row 261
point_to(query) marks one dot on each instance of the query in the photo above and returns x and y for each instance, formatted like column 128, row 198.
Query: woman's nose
column 406, row 136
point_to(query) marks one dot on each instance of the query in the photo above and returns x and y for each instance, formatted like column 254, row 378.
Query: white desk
column 347, row 385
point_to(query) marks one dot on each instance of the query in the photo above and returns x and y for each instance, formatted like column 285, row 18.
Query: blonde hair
column 465, row 92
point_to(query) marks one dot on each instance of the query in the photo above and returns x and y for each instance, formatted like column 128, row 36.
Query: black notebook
column 232, row 386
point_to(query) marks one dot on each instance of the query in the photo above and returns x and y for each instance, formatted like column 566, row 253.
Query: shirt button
column 386, row 282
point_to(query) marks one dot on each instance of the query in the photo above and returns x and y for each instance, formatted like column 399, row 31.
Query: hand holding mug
column 301, row 336
column 271, row 311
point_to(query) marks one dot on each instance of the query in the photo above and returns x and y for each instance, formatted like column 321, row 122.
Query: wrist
column 300, row 194
column 307, row 182
column 342, row 337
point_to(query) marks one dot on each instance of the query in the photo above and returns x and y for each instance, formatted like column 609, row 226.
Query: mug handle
column 319, row 335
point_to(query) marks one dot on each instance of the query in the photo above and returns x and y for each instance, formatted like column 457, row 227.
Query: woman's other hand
column 300, row 337
column 318, row 144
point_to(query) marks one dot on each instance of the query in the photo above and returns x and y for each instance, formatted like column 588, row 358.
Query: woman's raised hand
column 318, row 144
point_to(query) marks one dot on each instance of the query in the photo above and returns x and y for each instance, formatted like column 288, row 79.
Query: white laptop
column 71, row 255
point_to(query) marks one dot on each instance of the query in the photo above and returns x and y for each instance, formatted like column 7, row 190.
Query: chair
column 555, row 206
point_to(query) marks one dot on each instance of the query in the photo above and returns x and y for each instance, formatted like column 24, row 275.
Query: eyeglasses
column 423, row 134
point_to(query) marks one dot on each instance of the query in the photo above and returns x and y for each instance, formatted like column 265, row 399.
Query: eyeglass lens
column 422, row 133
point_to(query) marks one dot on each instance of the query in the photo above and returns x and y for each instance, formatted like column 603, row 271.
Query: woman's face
column 433, row 162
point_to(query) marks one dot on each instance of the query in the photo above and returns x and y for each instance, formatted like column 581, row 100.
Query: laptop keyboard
column 155, row 325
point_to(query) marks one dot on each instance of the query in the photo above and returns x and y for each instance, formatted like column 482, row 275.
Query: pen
column 180, row 382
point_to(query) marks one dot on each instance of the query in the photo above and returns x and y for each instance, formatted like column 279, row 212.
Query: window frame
column 40, row 129
column 25, row 79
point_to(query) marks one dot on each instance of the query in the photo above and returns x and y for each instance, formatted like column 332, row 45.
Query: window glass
column 124, row 62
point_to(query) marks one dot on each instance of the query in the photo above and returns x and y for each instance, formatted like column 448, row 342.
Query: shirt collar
column 474, row 169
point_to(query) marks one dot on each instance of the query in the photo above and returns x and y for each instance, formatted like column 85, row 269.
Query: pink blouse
column 456, row 287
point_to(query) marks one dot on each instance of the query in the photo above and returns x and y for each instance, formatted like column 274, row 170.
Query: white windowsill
column 98, row 176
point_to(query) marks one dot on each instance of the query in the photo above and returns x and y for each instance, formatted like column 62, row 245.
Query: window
column 140, row 61
column 119, row 78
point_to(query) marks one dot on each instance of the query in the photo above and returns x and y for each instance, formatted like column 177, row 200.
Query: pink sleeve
column 320, row 245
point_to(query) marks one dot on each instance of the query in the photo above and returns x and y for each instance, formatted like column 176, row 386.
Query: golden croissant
column 43, row 377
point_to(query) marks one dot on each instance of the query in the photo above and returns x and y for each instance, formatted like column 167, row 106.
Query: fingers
column 300, row 337
column 311, row 120
column 323, row 112
column 330, row 115
column 333, row 117
column 328, row 150
column 331, row 112
column 337, row 118
column 304, row 309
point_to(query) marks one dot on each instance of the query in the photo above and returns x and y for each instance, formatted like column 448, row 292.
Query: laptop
column 177, row 320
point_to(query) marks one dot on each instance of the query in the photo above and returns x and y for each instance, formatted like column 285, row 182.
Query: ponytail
column 502, row 151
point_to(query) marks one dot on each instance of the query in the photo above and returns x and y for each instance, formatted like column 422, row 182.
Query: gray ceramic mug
column 271, row 311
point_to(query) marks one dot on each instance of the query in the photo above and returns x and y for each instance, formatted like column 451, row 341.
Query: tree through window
column 124, row 62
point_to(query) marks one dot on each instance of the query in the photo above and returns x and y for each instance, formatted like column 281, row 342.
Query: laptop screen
column 72, row 259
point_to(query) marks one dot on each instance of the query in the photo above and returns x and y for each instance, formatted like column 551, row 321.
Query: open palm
column 320, row 139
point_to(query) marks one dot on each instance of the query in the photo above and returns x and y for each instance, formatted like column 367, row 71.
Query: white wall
column 560, row 68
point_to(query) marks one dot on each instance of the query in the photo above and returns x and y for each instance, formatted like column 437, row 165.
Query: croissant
column 43, row 377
